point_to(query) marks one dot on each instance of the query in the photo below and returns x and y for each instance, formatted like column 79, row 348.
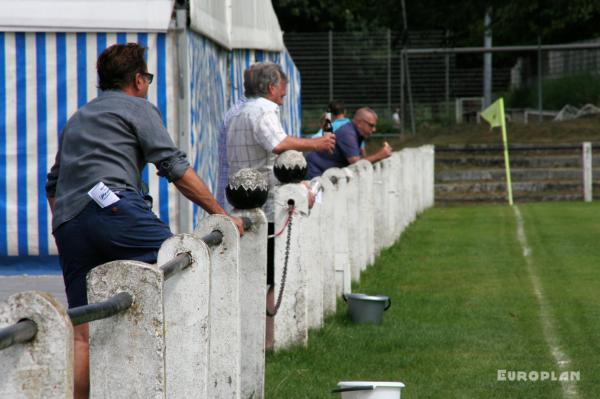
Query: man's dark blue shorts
column 125, row 230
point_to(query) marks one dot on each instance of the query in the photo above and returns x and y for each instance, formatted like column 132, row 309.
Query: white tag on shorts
column 103, row 195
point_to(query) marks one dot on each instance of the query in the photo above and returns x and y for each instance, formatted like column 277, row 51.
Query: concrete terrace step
column 451, row 175
column 542, row 148
column 500, row 186
column 454, row 161
column 475, row 173
column 462, row 198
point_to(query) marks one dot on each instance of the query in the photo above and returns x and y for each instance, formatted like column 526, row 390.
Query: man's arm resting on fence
column 384, row 152
column 194, row 189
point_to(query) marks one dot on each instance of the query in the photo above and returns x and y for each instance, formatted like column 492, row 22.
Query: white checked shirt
column 251, row 137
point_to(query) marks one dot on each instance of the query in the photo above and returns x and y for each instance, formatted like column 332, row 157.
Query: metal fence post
column 540, row 93
column 487, row 59
column 330, row 65
column 183, row 105
column 411, row 104
column 447, row 79
column 389, row 71
column 402, row 88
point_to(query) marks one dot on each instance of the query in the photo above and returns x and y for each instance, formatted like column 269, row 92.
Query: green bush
column 521, row 98
column 576, row 90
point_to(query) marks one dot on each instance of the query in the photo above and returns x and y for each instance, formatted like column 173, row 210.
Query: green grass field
column 464, row 308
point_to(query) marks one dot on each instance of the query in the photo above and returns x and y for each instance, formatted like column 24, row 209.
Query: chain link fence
column 435, row 84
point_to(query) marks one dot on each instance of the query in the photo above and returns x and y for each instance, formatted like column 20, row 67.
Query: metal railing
column 101, row 310
column 19, row 333
column 25, row 330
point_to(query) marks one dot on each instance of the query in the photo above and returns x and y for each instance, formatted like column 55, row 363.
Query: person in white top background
column 254, row 138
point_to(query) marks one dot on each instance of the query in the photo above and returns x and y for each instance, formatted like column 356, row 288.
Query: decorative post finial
column 247, row 189
column 290, row 167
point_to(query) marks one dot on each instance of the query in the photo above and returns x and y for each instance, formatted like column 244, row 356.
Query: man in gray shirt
column 103, row 149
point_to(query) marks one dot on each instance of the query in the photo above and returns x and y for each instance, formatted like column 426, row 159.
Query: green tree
column 514, row 21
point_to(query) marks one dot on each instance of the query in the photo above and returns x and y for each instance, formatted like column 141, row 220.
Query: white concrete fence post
column 395, row 178
column 253, row 291
column 327, row 244
column 127, row 350
column 200, row 332
column 352, row 220
column 388, row 194
column 403, row 191
column 313, row 262
column 405, row 188
column 378, row 211
column 186, row 312
column 360, row 234
column 368, row 210
column 340, row 226
column 43, row 367
column 412, row 170
column 587, row 172
column 224, row 366
column 291, row 320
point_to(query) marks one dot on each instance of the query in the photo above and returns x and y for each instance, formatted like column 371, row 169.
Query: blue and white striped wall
column 46, row 77
column 216, row 83
column 291, row 113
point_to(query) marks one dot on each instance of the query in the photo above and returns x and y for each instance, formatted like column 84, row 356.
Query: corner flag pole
column 506, row 161
column 494, row 115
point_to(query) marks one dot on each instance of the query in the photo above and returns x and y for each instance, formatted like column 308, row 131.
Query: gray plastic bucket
column 364, row 308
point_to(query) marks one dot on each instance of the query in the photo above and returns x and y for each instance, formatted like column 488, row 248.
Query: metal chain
column 285, row 263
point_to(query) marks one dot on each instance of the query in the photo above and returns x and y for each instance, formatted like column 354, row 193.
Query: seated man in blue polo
column 348, row 140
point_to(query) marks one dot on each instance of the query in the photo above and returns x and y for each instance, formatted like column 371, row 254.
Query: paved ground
column 31, row 273
column 51, row 284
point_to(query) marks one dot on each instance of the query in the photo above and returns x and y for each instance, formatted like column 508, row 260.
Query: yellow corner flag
column 494, row 115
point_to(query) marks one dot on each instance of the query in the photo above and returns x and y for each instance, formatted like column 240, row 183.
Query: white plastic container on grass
column 369, row 389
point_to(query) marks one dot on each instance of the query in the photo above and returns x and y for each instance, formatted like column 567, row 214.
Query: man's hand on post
column 238, row 223
column 386, row 150
column 310, row 195
column 325, row 143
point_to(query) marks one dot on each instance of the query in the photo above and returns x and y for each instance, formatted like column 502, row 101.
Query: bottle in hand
column 327, row 127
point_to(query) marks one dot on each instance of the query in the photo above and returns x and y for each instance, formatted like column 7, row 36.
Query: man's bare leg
column 81, row 364
column 270, row 327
